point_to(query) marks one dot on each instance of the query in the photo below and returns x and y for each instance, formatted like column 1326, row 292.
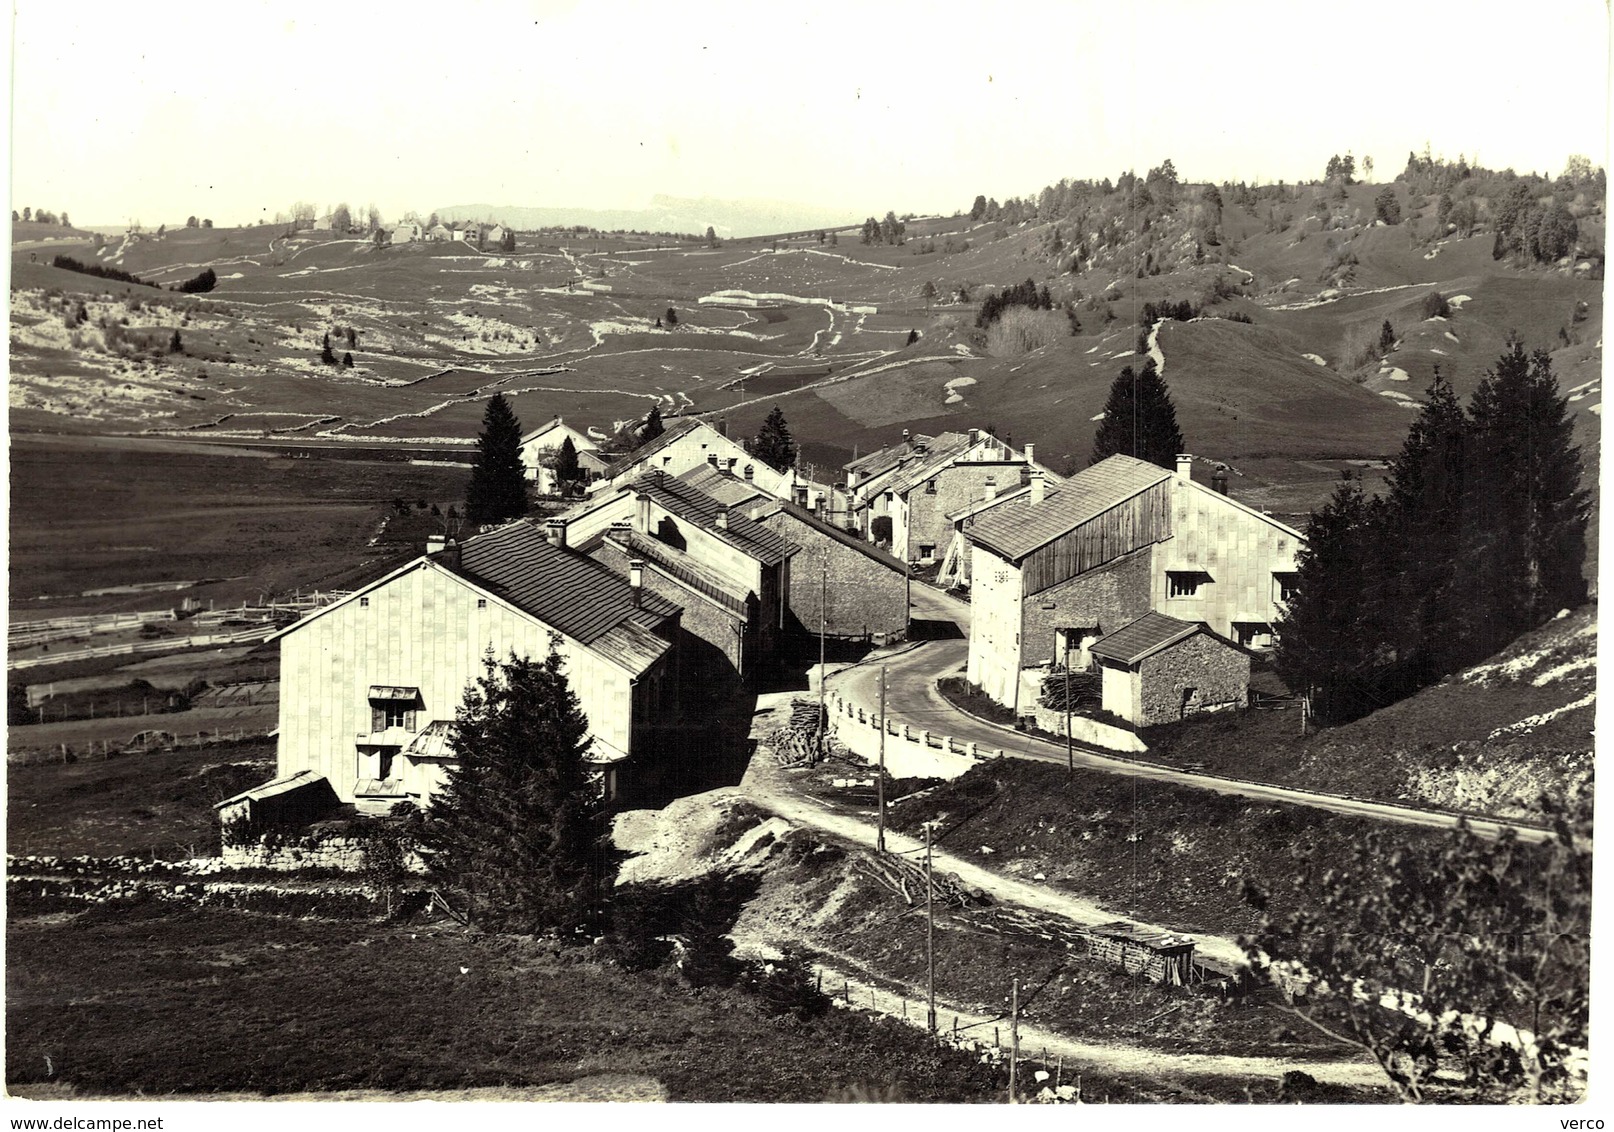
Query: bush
column 1436, row 306
column 880, row 528
column 786, row 987
column 68, row 263
column 200, row 285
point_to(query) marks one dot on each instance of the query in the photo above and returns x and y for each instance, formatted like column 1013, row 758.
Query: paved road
column 911, row 698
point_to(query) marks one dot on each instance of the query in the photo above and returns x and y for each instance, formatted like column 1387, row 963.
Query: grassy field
column 154, row 805
column 92, row 515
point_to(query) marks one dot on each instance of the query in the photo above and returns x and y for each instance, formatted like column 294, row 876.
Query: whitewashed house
column 540, row 447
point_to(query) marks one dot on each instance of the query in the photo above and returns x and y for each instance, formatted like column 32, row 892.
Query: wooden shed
column 1164, row 957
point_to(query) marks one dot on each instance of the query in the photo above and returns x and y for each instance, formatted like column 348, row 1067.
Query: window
column 481, row 603
column 1287, row 581
column 364, row 603
column 1253, row 634
column 930, row 487
column 392, row 706
column 927, row 551
column 1185, row 583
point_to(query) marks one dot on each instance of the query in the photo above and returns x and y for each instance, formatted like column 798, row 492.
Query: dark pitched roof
column 830, row 531
column 946, row 448
column 1144, row 637
column 687, row 502
column 722, row 487
column 564, row 589
column 681, row 567
column 1014, row 527
column 883, row 459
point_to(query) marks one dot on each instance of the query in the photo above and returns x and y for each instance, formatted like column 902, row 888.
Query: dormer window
column 1185, row 583
column 392, row 707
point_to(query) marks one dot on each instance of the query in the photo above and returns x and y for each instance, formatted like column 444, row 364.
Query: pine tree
column 347, row 360
column 652, row 425
column 1386, row 337
column 1139, row 420
column 326, row 357
column 513, row 823
column 671, row 317
column 773, row 445
column 1526, row 537
column 175, row 345
column 1326, row 639
column 498, row 487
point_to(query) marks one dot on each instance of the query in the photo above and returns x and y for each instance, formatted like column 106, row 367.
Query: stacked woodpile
column 801, row 740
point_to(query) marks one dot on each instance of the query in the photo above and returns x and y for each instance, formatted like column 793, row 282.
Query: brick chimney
column 1219, row 479
column 1185, row 465
column 642, row 514
column 1031, row 453
column 991, row 490
column 975, row 437
column 907, row 437
column 711, row 458
column 555, row 530
column 750, row 472
column 722, row 518
column 1038, row 487
column 636, row 580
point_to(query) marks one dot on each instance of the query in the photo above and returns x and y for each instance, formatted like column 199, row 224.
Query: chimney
column 722, row 518
column 722, row 426
column 732, row 461
column 636, row 580
column 1031, row 453
column 642, row 518
column 711, row 458
column 800, row 492
column 991, row 490
column 975, row 436
column 1185, row 465
column 556, row 530
column 750, row 471
column 907, row 437
column 1219, row 479
column 1038, row 486
column 436, row 543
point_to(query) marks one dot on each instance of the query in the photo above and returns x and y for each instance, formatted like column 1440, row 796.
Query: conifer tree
column 1528, row 514
column 513, row 824
column 1326, row 639
column 672, row 317
column 326, row 357
column 1139, row 420
column 652, row 427
column 498, row 487
column 567, row 469
column 773, row 445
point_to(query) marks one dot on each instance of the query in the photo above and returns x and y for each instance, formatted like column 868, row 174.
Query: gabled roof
column 1144, row 637
column 752, row 539
column 561, row 588
column 885, row 459
column 1014, row 527
column 722, row 487
column 944, row 450
column 551, row 426
column 681, row 567
column 678, row 428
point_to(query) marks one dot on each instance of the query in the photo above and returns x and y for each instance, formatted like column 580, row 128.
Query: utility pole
column 823, row 599
column 1070, row 748
column 930, row 938
column 879, row 783
column 1014, row 1042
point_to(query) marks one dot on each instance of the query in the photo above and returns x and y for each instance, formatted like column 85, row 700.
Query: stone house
column 1055, row 568
column 540, row 447
column 370, row 684
column 697, row 541
column 863, row 592
column 689, row 443
column 1158, row 669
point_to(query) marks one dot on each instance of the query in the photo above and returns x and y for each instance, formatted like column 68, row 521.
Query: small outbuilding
column 1158, row 669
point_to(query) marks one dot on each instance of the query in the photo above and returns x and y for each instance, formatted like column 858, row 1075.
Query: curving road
column 911, row 698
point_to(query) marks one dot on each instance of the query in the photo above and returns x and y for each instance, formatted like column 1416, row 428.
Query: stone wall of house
column 340, row 854
column 1202, row 673
column 957, row 486
column 1109, row 597
column 702, row 619
column 866, row 597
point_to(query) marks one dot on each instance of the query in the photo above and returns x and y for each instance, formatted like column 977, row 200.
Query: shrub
column 1436, row 306
column 201, row 284
column 786, row 987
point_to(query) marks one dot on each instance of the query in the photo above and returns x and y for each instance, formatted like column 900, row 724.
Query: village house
column 496, row 234
column 1054, row 569
column 861, row 591
column 917, row 484
column 1158, row 669
column 690, row 443
column 541, row 447
column 370, row 684
column 406, row 232
column 440, row 233
column 731, row 574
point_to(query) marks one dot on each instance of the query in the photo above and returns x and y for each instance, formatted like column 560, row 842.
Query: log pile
column 907, row 879
column 796, row 744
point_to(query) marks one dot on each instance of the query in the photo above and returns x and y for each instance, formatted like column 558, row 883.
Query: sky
column 152, row 111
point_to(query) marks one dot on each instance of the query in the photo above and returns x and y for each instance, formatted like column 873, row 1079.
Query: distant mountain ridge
column 666, row 214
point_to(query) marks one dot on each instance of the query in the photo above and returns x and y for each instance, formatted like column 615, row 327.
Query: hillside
column 1490, row 740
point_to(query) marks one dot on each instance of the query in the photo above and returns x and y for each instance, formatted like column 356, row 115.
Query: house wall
column 423, row 629
column 533, row 452
column 995, row 604
column 724, row 634
column 865, row 597
column 1217, row 674
column 691, row 449
column 1238, row 549
column 1119, row 690
column 957, row 486
column 1110, row 597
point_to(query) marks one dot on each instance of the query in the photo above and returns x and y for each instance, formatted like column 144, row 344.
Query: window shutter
column 409, row 720
column 378, row 719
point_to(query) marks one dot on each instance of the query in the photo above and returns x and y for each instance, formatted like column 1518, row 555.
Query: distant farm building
column 1159, row 670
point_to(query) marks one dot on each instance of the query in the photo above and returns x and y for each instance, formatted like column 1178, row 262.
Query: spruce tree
column 498, row 488
column 1139, row 420
column 567, row 469
column 773, row 445
column 513, row 823
column 1327, row 643
column 1526, row 537
column 652, row 426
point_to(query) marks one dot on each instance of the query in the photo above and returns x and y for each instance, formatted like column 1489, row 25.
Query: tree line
column 1479, row 537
